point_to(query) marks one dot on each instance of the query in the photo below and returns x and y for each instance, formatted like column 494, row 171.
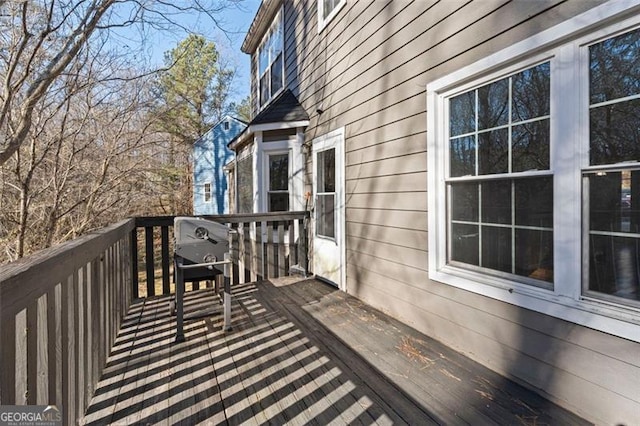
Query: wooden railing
column 60, row 311
column 264, row 245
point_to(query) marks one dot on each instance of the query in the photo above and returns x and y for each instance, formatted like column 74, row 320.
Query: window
column 271, row 61
column 326, row 196
column 278, row 193
column 613, row 195
column 327, row 9
column 207, row 192
column 534, row 173
column 225, row 125
column 245, row 185
column 500, row 192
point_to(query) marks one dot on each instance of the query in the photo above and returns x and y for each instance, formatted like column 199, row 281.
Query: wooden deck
column 300, row 352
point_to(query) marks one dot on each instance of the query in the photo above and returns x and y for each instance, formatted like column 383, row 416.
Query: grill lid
column 200, row 240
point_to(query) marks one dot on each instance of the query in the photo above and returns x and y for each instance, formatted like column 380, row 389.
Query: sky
column 235, row 20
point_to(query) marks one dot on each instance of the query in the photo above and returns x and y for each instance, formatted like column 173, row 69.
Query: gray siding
column 368, row 69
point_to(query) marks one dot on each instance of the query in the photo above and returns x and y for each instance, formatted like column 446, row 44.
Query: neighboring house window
column 245, row 185
column 226, row 125
column 534, row 174
column 326, row 197
column 327, row 9
column 271, row 61
column 207, row 192
column 278, row 180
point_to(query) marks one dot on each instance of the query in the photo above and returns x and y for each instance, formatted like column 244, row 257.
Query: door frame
column 333, row 139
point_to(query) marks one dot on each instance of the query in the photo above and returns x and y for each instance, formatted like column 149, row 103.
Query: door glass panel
column 325, row 223
column 326, row 187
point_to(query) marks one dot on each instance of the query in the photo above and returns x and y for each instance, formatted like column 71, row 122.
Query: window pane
column 276, row 75
column 325, row 215
column 327, row 170
column 496, row 248
column 531, row 146
column 263, row 59
column 462, row 114
column 614, row 266
column 278, row 201
column 279, row 172
column 614, row 201
column 277, row 39
column 496, row 202
column 614, row 68
column 493, row 152
column 462, row 155
column 264, row 89
column 534, row 202
column 464, row 202
column 615, row 132
column 464, row 243
column 493, row 104
column 534, row 254
column 531, row 93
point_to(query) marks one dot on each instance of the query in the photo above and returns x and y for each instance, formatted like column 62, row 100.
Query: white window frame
column 322, row 21
column 278, row 20
column 564, row 46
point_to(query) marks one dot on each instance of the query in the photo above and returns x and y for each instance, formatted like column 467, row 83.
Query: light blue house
column 210, row 155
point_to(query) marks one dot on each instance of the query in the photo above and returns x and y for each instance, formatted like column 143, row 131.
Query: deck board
column 299, row 352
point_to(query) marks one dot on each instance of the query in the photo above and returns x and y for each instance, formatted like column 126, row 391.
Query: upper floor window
column 271, row 61
column 327, row 9
column 534, row 173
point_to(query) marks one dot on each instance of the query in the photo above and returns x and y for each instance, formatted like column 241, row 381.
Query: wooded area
column 91, row 133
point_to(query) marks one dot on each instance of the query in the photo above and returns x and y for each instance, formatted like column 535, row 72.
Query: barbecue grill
column 201, row 253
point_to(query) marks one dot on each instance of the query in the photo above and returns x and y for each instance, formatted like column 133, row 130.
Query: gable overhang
column 260, row 24
column 247, row 135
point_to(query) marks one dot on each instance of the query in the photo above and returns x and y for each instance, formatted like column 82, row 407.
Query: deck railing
column 61, row 309
column 264, row 245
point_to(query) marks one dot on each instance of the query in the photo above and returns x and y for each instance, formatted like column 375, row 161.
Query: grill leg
column 227, row 294
column 179, row 303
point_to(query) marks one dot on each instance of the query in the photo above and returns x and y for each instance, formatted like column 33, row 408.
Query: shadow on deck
column 299, row 352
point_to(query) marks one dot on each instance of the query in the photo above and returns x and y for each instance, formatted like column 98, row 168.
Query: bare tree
column 39, row 40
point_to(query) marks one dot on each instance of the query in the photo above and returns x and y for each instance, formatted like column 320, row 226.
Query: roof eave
column 259, row 25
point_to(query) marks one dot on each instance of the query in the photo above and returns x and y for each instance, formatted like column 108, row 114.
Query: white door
column 328, row 223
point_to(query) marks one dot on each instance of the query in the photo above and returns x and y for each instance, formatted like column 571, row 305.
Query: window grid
column 480, row 179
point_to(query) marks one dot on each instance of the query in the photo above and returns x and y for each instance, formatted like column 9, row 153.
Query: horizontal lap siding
column 368, row 70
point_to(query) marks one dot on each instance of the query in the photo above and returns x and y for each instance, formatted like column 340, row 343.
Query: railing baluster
column 134, row 263
column 150, row 266
column 21, row 379
column 32, row 353
column 164, row 231
column 8, row 359
column 42, row 376
column 282, row 267
column 269, row 257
